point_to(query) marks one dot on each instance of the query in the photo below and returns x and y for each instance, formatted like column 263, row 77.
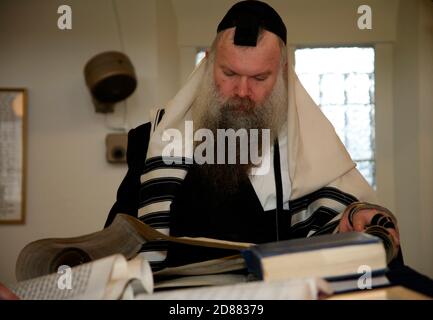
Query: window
column 341, row 82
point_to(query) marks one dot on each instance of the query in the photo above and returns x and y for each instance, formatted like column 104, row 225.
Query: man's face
column 242, row 88
column 246, row 72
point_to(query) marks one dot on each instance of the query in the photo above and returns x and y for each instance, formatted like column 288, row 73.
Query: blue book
column 332, row 257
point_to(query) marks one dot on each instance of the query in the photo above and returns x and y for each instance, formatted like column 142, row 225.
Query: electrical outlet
column 116, row 145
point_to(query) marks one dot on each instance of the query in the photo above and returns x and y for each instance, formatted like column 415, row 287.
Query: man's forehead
column 266, row 38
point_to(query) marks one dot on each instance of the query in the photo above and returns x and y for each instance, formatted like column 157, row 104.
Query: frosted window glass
column 358, row 88
column 332, row 86
column 341, row 82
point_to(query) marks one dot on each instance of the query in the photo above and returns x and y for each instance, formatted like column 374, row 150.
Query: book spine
column 253, row 262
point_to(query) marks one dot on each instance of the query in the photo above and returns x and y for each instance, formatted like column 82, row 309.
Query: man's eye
column 229, row 74
column 260, row 78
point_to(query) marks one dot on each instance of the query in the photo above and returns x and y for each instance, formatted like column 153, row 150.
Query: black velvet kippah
column 248, row 17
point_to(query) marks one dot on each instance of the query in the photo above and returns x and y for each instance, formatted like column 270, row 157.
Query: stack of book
column 105, row 264
column 349, row 261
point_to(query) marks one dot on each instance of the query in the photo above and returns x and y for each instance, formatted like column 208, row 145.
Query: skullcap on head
column 248, row 17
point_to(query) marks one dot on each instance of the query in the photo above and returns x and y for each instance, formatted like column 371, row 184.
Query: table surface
column 389, row 293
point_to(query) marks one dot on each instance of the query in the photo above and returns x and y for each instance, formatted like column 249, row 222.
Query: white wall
column 70, row 186
column 426, row 132
column 307, row 21
column 413, row 116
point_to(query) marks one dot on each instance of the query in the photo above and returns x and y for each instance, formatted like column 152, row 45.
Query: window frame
column 373, row 159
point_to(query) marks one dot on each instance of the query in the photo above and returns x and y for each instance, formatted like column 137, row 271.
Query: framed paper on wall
column 13, row 122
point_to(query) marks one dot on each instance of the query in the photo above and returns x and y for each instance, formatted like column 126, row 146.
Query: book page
column 202, row 280
column 129, row 278
column 42, row 257
column 87, row 281
column 126, row 235
column 298, row 289
column 220, row 265
column 150, row 234
column 140, row 273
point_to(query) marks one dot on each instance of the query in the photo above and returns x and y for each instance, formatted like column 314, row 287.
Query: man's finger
column 6, row 294
column 359, row 227
column 344, row 225
column 362, row 219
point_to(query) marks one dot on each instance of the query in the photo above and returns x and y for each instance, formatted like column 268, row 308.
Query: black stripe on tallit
column 148, row 218
column 157, row 265
column 317, row 220
column 154, row 246
column 329, row 228
column 157, row 219
column 160, row 115
column 155, row 121
column 156, row 181
column 326, row 192
column 164, row 190
column 158, row 163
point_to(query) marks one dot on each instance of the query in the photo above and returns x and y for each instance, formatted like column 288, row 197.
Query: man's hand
column 359, row 216
column 6, row 294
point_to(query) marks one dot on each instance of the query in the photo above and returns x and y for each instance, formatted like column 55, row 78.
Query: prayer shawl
column 323, row 178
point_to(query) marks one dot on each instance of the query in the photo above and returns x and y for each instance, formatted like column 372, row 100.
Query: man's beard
column 211, row 111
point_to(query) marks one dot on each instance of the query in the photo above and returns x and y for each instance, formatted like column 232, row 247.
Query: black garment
column 402, row 275
column 196, row 212
column 127, row 200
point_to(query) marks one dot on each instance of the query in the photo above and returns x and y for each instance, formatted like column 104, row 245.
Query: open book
column 101, row 270
column 111, row 277
column 125, row 236
column 294, row 289
column 114, row 277
column 328, row 256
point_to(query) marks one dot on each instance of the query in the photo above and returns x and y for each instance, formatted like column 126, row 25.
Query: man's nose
column 242, row 88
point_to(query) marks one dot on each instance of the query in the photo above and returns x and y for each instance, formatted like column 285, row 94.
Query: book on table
column 114, row 277
column 108, row 264
column 341, row 258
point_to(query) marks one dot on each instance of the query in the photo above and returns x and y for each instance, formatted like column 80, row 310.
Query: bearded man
column 309, row 187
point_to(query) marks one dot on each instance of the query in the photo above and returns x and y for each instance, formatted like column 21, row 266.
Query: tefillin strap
column 282, row 219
